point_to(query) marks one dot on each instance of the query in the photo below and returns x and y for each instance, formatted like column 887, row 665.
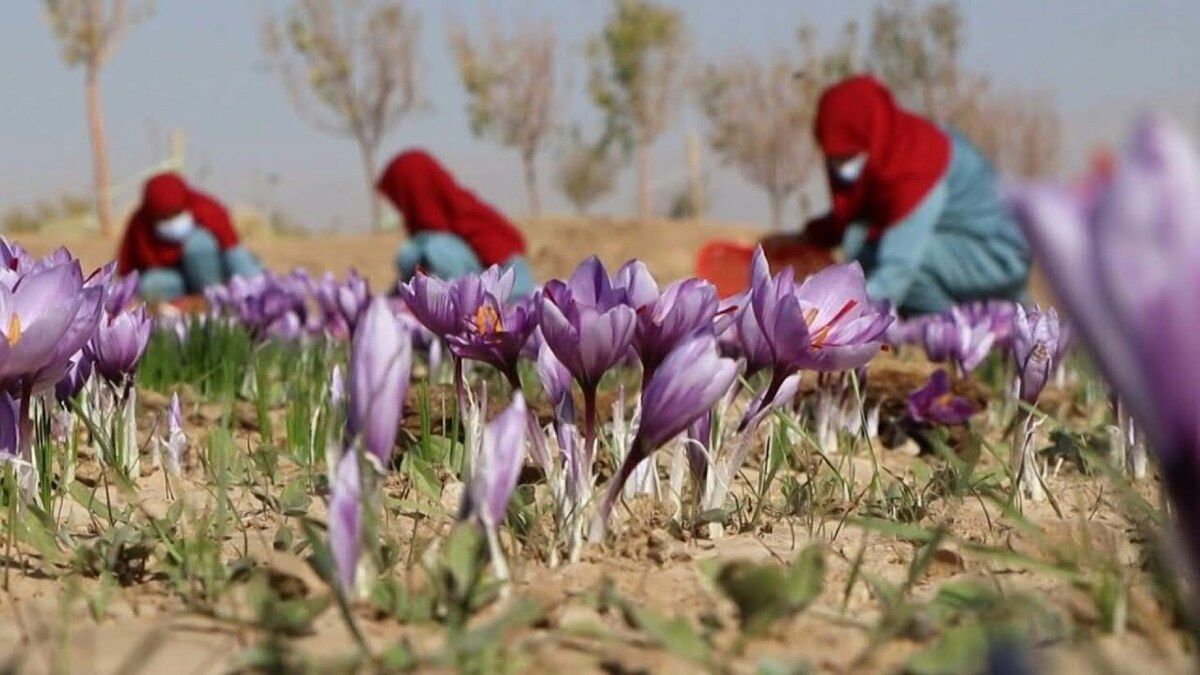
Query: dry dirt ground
column 556, row 245
column 45, row 620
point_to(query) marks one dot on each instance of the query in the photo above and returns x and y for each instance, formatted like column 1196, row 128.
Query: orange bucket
column 726, row 264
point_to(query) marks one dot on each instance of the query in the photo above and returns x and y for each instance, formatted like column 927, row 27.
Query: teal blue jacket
column 958, row 244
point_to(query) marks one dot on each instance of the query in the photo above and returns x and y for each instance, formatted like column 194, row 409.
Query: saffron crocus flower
column 119, row 343
column 495, row 333
column 495, row 470
column 380, row 367
column 1036, row 346
column 738, row 319
column 345, row 520
column 586, row 323
column 664, row 319
column 432, row 302
column 1124, row 260
column 498, row 463
column 685, row 387
column 171, row 446
column 45, row 318
column 79, row 369
column 121, row 290
column 936, row 403
column 826, row 323
column 352, row 298
column 975, row 337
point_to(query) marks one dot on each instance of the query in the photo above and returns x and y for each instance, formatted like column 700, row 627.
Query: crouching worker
column 914, row 203
column 451, row 232
column 180, row 242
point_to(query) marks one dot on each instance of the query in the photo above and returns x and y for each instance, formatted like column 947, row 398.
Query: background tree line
column 353, row 68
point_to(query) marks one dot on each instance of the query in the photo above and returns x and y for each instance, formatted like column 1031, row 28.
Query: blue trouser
column 202, row 264
column 958, row 244
column 447, row 256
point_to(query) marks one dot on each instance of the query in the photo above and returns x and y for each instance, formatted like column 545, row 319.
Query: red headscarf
column 164, row 196
column 906, row 156
column 432, row 201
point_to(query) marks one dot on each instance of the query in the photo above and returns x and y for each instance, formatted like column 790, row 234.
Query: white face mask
column 851, row 170
column 176, row 228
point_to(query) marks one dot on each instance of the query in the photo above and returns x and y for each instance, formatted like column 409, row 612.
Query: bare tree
column 636, row 72
column 510, row 84
column 760, row 114
column 917, row 52
column 351, row 68
column 88, row 32
column 586, row 172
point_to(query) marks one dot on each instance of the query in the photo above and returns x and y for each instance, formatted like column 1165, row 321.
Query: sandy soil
column 46, row 625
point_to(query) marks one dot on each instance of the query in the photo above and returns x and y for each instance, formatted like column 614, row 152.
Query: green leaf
column 805, row 578
column 961, row 649
column 675, row 635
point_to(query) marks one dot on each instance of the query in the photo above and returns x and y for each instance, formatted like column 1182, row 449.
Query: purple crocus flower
column 961, row 337
column 329, row 318
column 936, row 403
column 175, row 441
column 664, row 319
column 498, row 465
column 1124, row 259
column 974, row 339
column 380, row 368
column 352, row 298
column 938, row 337
column 345, row 520
column 684, row 388
column 495, row 334
column 119, row 343
column 740, row 321
column 432, row 301
column 827, row 323
column 121, row 290
column 586, row 323
column 997, row 315
column 79, row 369
column 45, row 318
column 1035, row 345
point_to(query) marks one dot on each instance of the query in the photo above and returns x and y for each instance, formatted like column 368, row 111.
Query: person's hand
column 776, row 242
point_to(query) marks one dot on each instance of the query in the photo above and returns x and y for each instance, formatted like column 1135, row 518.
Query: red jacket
column 164, row 196
column 906, row 156
column 432, row 201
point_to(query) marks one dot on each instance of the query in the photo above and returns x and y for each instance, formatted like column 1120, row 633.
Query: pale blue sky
column 196, row 65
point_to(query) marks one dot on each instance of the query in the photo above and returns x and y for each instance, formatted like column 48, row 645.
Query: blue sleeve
column 903, row 247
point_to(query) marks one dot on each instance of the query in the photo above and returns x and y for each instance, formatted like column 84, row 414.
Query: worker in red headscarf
column 181, row 241
column 451, row 231
column 916, row 204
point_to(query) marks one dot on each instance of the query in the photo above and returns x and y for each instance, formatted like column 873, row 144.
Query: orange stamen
column 818, row 337
column 14, row 329
column 487, row 320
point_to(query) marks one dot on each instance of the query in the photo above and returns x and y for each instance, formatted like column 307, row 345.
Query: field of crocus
column 615, row 474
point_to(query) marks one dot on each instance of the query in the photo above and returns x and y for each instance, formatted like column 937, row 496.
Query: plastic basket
column 726, row 264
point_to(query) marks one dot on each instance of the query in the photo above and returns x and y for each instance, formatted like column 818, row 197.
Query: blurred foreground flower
column 379, row 370
column 1124, row 259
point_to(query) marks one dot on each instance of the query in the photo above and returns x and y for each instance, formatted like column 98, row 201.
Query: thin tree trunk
column 91, row 97
column 775, row 199
column 529, row 160
column 367, row 154
column 642, row 161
